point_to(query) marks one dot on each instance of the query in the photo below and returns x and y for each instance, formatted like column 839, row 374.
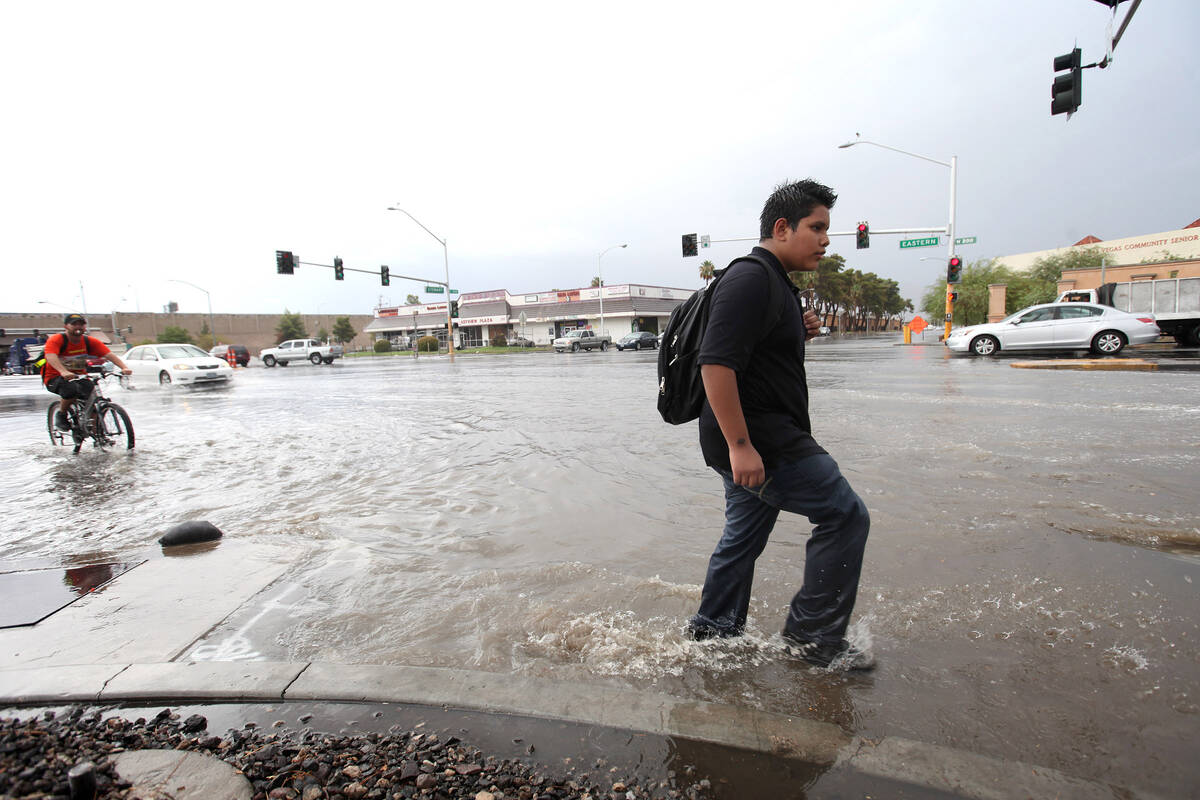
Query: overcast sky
column 145, row 142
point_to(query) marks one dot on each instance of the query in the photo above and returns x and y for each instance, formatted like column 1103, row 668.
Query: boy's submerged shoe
column 699, row 631
column 840, row 656
column 61, row 422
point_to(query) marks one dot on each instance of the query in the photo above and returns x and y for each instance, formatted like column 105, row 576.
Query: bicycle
column 97, row 418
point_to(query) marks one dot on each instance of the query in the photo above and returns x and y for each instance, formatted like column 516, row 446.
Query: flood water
column 1029, row 590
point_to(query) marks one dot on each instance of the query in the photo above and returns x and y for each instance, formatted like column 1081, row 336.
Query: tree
column 595, row 281
column 290, row 326
column 412, row 300
column 1040, row 283
column 973, row 294
column 323, row 334
column 343, row 331
column 204, row 331
column 175, row 334
column 707, row 268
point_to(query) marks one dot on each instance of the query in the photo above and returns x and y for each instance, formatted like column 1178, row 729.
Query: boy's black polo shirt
column 756, row 328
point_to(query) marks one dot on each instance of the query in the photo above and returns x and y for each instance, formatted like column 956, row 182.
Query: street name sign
column 928, row 241
column 965, row 240
column 435, row 289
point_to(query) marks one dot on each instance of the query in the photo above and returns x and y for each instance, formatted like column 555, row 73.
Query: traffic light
column 1066, row 92
column 384, row 278
column 339, row 274
column 285, row 262
column 954, row 270
column 454, row 309
column 862, row 237
column 954, row 297
column 689, row 244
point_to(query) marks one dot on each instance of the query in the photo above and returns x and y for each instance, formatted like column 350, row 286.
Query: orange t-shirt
column 73, row 355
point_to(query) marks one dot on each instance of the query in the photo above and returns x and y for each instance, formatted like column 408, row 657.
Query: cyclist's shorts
column 70, row 390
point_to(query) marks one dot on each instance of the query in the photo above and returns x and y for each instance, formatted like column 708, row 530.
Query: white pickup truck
column 581, row 339
column 300, row 350
column 1174, row 302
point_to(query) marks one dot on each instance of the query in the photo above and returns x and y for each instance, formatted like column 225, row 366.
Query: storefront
column 616, row 310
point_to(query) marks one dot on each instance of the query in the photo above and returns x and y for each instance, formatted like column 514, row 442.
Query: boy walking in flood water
column 755, row 432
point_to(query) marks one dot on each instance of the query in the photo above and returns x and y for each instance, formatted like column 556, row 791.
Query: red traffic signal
column 285, row 262
column 954, row 270
column 862, row 236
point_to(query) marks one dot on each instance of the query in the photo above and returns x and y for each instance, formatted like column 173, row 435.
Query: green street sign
column 928, row 241
column 454, row 291
column 965, row 240
column 435, row 290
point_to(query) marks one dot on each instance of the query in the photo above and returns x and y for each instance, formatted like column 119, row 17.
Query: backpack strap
column 775, row 302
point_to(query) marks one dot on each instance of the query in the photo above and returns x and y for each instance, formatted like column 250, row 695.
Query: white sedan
column 1057, row 326
column 176, row 363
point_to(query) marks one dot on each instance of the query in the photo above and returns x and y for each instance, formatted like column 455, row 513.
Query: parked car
column 176, row 363
column 240, row 353
column 638, row 340
column 823, row 330
column 1057, row 326
column 519, row 341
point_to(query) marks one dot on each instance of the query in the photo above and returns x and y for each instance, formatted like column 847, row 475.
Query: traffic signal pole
column 950, row 236
column 446, row 256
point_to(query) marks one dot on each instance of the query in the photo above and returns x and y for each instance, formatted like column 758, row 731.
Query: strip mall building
column 540, row 316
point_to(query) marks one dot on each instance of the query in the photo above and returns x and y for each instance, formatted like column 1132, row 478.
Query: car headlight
column 182, row 366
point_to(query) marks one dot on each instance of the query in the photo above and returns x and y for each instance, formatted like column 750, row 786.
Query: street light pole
column 953, row 165
column 212, row 328
column 600, row 277
column 446, row 257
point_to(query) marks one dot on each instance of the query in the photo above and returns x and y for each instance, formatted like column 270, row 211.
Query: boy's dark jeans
column 814, row 487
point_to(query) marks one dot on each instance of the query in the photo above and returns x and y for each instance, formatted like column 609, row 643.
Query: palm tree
column 707, row 268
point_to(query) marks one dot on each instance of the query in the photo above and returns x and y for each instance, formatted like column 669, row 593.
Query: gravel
column 36, row 755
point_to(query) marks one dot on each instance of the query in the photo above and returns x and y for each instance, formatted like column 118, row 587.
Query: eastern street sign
column 965, row 240
column 435, row 289
column 928, row 241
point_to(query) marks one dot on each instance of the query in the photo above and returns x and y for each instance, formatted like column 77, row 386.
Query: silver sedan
column 1057, row 326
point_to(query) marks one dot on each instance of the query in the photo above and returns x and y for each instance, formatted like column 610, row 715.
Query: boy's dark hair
column 793, row 202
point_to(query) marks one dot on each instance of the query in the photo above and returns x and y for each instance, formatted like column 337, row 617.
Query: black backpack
column 680, row 389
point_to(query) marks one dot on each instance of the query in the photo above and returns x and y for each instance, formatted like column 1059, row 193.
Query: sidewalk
column 126, row 644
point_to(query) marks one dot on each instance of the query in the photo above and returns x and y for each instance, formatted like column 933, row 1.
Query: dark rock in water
column 190, row 533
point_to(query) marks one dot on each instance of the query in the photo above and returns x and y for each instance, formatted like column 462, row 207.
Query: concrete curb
column 942, row 769
column 1098, row 364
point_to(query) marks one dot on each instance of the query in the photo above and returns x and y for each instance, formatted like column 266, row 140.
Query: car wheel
column 575, row 347
column 164, row 378
column 1108, row 343
column 327, row 360
column 315, row 358
column 603, row 347
column 268, row 361
column 283, row 363
column 984, row 345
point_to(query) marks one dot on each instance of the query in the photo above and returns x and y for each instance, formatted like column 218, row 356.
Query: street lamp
column 953, row 165
column 600, row 277
column 212, row 330
column 446, row 256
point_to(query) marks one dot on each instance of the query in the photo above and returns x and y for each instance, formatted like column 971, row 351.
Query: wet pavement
column 1028, row 590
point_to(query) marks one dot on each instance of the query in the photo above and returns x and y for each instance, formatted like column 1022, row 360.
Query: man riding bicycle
column 66, row 357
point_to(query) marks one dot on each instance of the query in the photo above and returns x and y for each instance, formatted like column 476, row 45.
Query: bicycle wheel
column 57, row 437
column 113, row 427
